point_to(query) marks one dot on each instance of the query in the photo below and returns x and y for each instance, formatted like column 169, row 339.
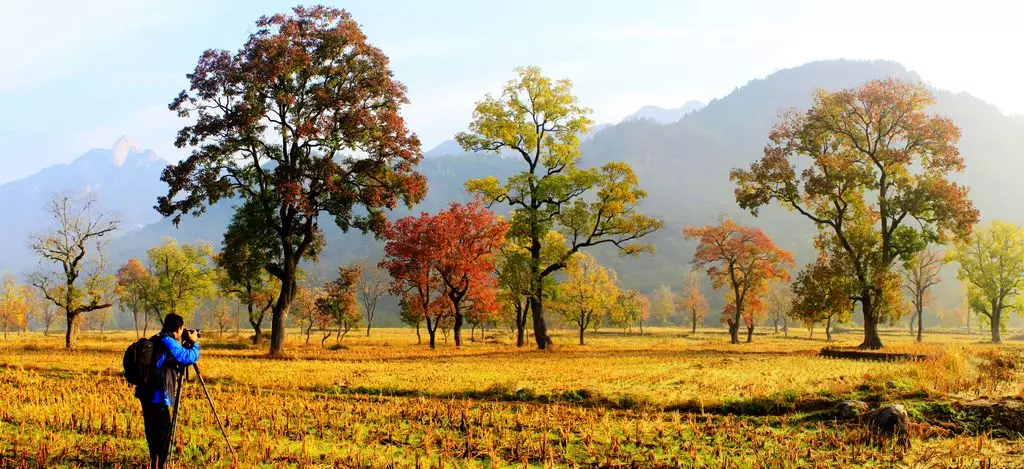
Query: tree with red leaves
column 302, row 120
column 444, row 264
column 744, row 259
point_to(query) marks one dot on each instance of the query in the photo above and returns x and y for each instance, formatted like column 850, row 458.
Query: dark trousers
column 157, row 419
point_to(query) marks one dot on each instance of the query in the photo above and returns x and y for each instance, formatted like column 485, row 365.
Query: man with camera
column 174, row 349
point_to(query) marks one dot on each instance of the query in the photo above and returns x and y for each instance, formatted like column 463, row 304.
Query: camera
column 195, row 333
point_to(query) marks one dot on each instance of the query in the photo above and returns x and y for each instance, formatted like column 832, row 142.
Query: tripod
column 182, row 377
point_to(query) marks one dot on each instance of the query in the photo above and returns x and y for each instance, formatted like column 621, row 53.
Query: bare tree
column 374, row 285
column 920, row 274
column 75, row 242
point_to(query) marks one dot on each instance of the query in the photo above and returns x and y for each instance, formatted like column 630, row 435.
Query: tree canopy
column 870, row 166
column 75, row 243
column 539, row 120
column 744, row 260
column 992, row 264
column 302, row 120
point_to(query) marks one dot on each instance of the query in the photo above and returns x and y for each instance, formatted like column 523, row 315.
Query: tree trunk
column 582, row 328
column 776, row 324
column 997, row 314
column 872, row 341
column 280, row 311
column 641, row 327
column 828, row 329
column 521, row 312
column 540, row 329
column 750, row 334
column 457, row 329
column 694, row 322
column 785, row 326
column 920, row 322
column 309, row 330
column 431, row 332
column 135, row 317
column 419, row 340
column 70, row 341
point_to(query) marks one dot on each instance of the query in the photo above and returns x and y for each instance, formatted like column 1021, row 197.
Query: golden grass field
column 664, row 399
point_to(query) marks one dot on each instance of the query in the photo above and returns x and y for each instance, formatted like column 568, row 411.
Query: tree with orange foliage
column 408, row 258
column 466, row 237
column 872, row 168
column 135, row 288
column 450, row 254
column 744, row 259
column 302, row 121
column 692, row 302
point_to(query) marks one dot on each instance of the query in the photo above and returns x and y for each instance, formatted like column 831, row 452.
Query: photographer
column 171, row 357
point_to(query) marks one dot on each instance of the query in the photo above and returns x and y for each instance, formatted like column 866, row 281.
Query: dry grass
column 618, row 401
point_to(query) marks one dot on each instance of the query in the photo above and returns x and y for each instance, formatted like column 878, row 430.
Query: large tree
column 588, row 294
column 743, row 259
column 992, row 263
column 920, row 274
column 465, row 239
column 456, row 248
column 870, row 166
column 75, row 242
column 302, row 120
column 408, row 258
column 540, row 121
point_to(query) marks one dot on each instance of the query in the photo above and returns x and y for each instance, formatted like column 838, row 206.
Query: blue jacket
column 171, row 356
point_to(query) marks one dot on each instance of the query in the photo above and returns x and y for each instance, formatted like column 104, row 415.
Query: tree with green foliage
column 540, row 121
column 183, row 276
column 75, row 242
column 632, row 307
column 514, row 276
column 871, row 167
column 824, row 291
column 992, row 265
column 664, row 305
column 135, row 286
column 302, row 120
column 242, row 270
column 588, row 294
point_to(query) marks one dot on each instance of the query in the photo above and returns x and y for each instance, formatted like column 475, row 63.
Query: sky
column 78, row 75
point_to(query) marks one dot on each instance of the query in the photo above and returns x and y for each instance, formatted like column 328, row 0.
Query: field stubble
column 666, row 399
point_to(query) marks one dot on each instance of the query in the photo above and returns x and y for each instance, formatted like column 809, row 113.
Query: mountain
column 665, row 116
column 683, row 166
column 124, row 179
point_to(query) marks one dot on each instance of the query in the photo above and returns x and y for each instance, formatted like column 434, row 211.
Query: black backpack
column 140, row 361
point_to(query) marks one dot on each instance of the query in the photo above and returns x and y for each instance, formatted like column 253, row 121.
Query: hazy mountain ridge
column 684, row 167
column 124, row 179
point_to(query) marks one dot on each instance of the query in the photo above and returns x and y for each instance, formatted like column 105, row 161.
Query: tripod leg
column 174, row 415
column 214, row 409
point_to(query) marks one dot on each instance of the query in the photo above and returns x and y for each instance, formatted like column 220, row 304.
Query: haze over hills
column 124, row 178
column 665, row 116
column 683, row 165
